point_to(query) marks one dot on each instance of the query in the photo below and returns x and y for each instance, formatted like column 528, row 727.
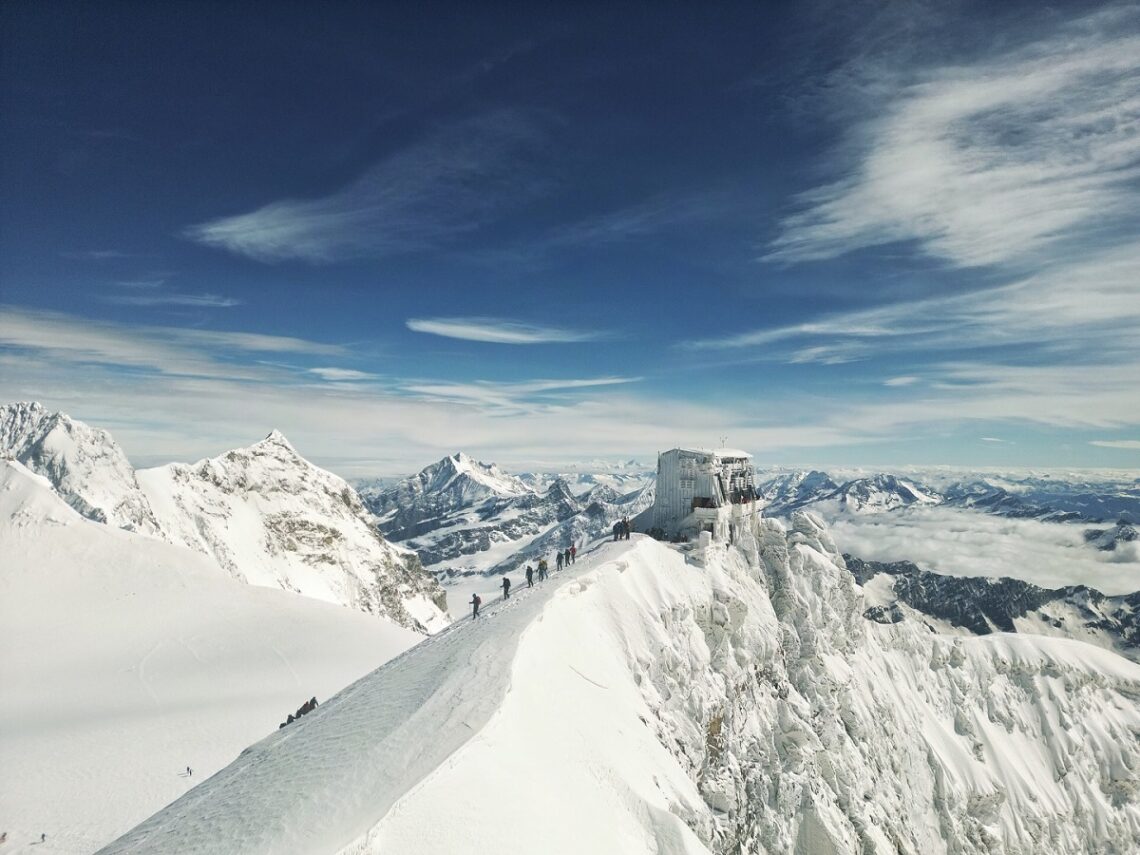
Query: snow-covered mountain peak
column 559, row 488
column 456, row 481
column 276, row 439
column 489, row 475
column 882, row 492
column 85, row 466
column 270, row 517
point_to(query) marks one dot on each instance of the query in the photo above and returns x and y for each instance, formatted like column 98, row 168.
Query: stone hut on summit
column 705, row 490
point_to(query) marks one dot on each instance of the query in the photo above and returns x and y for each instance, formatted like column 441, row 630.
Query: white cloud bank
column 968, row 543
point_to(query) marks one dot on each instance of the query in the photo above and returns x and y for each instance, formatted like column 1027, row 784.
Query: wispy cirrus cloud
column 179, row 393
column 1126, row 444
column 162, row 350
column 499, row 331
column 151, row 291
column 1064, row 304
column 337, row 375
column 515, row 397
column 174, row 298
column 450, row 183
column 992, row 163
column 98, row 254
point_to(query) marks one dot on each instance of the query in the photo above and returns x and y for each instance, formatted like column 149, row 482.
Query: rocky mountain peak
column 84, row 465
column 270, row 517
column 276, row 438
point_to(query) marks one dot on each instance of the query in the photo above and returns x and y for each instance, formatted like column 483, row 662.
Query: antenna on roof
column 723, row 440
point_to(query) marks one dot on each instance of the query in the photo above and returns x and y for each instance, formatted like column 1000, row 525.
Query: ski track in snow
column 298, row 790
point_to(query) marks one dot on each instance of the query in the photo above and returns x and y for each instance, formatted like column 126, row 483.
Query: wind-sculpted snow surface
column 84, row 465
column 269, row 517
column 730, row 701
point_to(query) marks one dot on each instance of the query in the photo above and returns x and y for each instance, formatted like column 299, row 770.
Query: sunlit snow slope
column 270, row 517
column 124, row 659
column 639, row 703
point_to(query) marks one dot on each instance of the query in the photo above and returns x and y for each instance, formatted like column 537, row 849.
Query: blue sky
column 894, row 234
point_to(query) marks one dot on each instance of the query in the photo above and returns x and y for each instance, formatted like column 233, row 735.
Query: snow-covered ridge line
column 741, row 703
column 264, row 514
column 322, row 783
column 1115, row 496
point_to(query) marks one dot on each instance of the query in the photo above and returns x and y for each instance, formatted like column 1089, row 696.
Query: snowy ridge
column 84, row 465
column 123, row 659
column 618, row 480
column 742, row 703
column 269, row 517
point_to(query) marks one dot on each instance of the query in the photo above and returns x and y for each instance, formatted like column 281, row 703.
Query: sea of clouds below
column 960, row 542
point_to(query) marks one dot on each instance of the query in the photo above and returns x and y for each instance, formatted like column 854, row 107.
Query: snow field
column 124, row 659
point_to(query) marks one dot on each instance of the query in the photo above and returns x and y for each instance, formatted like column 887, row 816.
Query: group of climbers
column 562, row 558
column 622, row 529
column 306, row 708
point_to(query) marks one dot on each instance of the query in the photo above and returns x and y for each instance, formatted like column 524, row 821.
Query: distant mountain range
column 463, row 516
column 1048, row 499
